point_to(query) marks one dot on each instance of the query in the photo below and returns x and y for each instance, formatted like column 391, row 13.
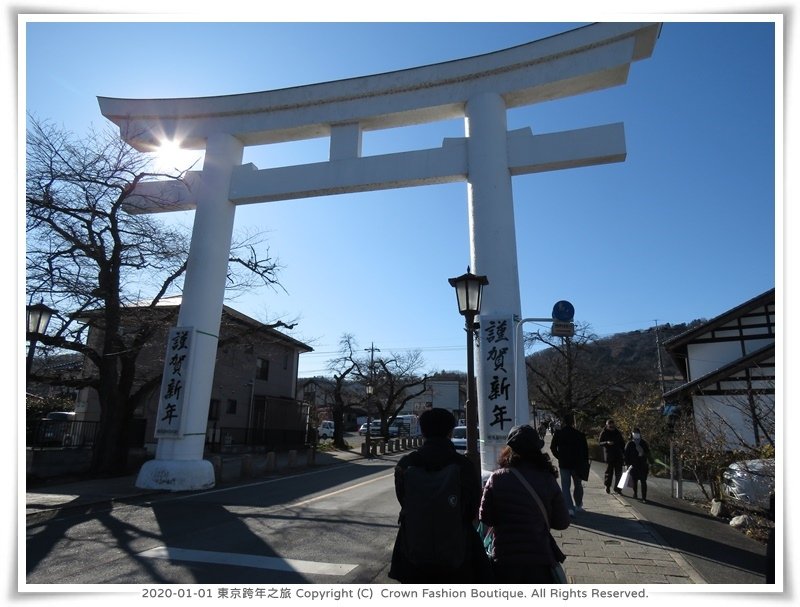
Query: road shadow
column 227, row 518
column 708, row 548
column 610, row 527
column 702, row 545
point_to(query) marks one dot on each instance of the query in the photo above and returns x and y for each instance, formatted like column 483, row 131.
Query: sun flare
column 170, row 157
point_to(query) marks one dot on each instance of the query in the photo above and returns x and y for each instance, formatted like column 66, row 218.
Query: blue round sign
column 563, row 311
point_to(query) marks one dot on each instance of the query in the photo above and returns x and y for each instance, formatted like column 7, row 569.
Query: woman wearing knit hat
column 524, row 550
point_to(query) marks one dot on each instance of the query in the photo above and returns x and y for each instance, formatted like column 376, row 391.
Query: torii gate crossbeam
column 479, row 88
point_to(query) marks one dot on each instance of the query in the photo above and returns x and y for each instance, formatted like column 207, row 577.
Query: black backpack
column 431, row 512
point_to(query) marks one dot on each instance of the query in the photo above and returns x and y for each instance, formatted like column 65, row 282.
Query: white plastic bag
column 626, row 480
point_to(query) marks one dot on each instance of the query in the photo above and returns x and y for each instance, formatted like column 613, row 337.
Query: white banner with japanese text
column 176, row 382
column 496, row 381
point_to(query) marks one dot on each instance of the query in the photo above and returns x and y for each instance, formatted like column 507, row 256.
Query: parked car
column 459, row 438
column 750, row 482
column 325, row 430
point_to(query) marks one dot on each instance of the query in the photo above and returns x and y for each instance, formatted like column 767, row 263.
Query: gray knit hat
column 524, row 440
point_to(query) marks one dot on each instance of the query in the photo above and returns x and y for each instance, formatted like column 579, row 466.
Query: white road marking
column 263, row 562
column 248, row 560
column 186, row 496
column 325, row 495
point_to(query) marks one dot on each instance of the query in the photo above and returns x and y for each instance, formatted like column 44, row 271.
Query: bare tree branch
column 90, row 260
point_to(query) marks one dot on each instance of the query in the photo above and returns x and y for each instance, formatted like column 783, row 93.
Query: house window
column 213, row 410
column 231, row 410
column 262, row 369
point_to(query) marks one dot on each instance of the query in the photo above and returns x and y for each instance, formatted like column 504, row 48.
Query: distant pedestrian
column 439, row 491
column 614, row 447
column 570, row 448
column 524, row 550
column 637, row 455
column 542, row 431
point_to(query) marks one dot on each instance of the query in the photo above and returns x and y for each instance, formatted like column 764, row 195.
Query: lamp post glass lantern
column 469, row 288
column 37, row 317
column 368, row 436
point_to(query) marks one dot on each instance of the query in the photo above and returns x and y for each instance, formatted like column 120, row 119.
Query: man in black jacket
column 614, row 445
column 436, row 453
column 570, row 448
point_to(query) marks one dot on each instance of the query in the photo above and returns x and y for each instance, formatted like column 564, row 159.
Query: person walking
column 614, row 448
column 439, row 491
column 524, row 551
column 570, row 448
column 637, row 455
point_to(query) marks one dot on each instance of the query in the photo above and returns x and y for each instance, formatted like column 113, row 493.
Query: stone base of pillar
column 176, row 475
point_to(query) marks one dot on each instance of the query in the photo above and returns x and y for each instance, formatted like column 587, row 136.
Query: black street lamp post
column 469, row 288
column 38, row 317
column 368, row 436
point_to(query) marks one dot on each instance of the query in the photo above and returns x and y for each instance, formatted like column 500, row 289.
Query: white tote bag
column 626, row 480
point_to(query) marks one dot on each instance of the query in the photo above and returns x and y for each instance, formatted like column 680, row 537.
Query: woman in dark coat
column 637, row 455
column 524, row 551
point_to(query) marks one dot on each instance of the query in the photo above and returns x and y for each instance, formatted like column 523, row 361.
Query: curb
column 678, row 557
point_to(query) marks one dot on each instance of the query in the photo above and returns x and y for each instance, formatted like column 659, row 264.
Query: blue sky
column 683, row 229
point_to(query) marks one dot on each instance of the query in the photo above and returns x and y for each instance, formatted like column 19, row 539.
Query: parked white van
column 325, row 430
column 405, row 425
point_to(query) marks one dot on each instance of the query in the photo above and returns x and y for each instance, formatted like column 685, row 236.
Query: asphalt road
column 332, row 525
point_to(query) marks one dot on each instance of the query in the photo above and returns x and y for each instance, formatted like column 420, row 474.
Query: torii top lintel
column 585, row 59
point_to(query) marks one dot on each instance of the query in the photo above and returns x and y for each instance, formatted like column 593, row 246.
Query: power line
column 403, row 349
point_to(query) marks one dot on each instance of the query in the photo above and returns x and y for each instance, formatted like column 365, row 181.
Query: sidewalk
column 609, row 544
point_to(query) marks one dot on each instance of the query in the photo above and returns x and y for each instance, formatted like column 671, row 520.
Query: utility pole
column 676, row 482
column 372, row 349
column 660, row 364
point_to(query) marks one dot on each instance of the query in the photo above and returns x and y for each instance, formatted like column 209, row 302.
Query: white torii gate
column 479, row 88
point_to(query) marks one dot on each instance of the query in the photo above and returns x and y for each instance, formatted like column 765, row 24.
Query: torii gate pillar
column 179, row 464
column 493, row 253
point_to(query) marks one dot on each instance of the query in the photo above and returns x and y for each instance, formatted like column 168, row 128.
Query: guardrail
column 61, row 434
